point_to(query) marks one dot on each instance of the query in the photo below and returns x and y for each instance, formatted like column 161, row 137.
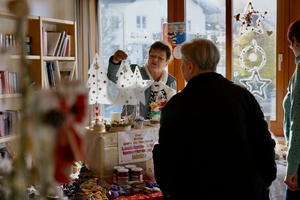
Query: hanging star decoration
column 256, row 85
column 247, row 18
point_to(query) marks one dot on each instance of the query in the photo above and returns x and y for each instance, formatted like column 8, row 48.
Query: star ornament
column 256, row 85
column 247, row 19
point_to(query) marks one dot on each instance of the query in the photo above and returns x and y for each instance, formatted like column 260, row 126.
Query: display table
column 278, row 187
column 102, row 152
column 152, row 196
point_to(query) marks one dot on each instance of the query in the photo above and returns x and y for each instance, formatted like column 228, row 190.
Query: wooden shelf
column 61, row 58
column 10, row 95
column 7, row 138
column 29, row 57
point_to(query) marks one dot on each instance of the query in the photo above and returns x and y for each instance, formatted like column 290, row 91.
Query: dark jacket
column 111, row 74
column 214, row 143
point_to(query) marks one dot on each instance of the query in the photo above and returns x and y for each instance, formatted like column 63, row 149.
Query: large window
column 136, row 28
column 254, row 50
column 206, row 19
column 252, row 57
column 253, row 43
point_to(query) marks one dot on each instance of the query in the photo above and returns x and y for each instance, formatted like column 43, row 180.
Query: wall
column 61, row 9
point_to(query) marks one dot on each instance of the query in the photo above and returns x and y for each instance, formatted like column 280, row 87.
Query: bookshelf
column 36, row 25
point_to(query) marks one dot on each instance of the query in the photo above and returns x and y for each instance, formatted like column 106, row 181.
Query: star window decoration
column 247, row 18
column 256, row 85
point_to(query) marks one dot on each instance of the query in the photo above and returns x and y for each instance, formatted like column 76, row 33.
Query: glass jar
column 129, row 167
column 137, row 174
column 115, row 172
column 123, row 176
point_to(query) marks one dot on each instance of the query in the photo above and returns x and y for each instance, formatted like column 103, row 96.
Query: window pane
column 206, row 19
column 254, row 50
column 144, row 22
column 138, row 21
column 127, row 35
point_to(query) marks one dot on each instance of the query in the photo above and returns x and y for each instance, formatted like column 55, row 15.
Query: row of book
column 56, row 43
column 9, row 82
column 9, row 120
column 56, row 71
column 9, row 41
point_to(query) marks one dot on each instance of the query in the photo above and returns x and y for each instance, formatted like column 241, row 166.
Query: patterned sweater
column 291, row 106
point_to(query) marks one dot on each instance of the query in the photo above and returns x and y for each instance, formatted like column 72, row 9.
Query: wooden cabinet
column 35, row 27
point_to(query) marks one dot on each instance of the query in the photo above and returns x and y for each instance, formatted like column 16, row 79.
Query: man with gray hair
column 213, row 140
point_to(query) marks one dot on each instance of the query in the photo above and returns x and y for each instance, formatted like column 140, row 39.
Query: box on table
column 102, row 152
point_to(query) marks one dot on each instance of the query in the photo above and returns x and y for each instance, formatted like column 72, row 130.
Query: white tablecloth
column 278, row 187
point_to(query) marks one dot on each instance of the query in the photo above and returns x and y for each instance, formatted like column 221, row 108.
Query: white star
column 246, row 19
column 256, row 85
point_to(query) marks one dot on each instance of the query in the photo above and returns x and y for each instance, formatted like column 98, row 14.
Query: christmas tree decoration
column 125, row 85
column 256, row 85
column 140, row 85
column 247, row 19
column 98, row 83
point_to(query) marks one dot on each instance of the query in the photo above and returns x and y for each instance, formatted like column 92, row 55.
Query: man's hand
column 291, row 180
column 118, row 56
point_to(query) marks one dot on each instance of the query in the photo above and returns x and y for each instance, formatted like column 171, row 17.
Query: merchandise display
column 89, row 186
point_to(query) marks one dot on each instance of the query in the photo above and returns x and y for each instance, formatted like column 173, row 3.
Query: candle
column 115, row 116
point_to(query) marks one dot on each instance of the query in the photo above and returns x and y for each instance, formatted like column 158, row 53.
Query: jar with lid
column 123, row 176
column 129, row 167
column 115, row 172
column 137, row 174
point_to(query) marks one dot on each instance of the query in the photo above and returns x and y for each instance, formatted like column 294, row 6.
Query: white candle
column 115, row 116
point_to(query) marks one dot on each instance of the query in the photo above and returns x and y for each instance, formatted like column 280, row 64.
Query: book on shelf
column 13, row 121
column 44, row 41
column 45, row 75
column 53, row 38
column 56, row 70
column 2, row 125
column 61, row 40
column 1, row 84
column 64, row 45
column 4, row 79
column 50, row 72
column 16, row 82
column 4, row 122
column 10, row 83
column 68, row 47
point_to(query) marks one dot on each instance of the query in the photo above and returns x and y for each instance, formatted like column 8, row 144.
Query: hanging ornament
column 256, row 85
column 247, row 19
column 254, row 49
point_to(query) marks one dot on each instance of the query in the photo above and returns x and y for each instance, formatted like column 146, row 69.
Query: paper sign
column 136, row 145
